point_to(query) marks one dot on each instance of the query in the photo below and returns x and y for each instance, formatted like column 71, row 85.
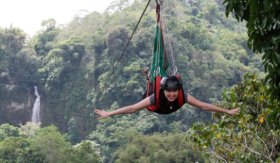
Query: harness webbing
column 158, row 71
column 160, row 62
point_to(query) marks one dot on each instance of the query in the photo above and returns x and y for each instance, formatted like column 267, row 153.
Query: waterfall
column 36, row 107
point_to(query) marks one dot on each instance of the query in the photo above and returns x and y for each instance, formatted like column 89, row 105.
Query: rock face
column 16, row 104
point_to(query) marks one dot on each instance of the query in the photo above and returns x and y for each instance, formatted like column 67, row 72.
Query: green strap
column 160, row 63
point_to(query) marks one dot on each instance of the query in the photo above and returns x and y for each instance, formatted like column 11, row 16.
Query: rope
column 116, row 63
column 171, row 56
column 115, row 66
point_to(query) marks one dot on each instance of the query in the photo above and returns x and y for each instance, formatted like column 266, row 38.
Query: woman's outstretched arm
column 125, row 110
column 209, row 107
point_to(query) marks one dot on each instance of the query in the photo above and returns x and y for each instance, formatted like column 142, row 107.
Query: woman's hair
column 170, row 83
column 163, row 100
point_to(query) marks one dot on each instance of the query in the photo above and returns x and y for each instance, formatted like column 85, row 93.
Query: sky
column 29, row 14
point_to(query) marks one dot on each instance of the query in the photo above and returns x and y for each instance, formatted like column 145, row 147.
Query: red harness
column 156, row 90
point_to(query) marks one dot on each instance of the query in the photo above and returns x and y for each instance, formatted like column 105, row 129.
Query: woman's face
column 171, row 95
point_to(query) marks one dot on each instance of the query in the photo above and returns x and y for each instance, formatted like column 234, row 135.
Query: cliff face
column 16, row 104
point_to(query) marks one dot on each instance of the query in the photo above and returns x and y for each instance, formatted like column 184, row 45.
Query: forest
column 226, row 51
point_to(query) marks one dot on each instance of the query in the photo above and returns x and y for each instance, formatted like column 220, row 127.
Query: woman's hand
column 125, row 110
column 234, row 111
column 103, row 114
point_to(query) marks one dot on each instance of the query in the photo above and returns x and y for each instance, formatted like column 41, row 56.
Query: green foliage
column 11, row 41
column 73, row 51
column 111, row 137
column 15, row 149
column 73, row 66
column 7, row 130
column 45, row 40
column 64, row 79
column 158, row 148
column 250, row 136
column 61, row 62
column 187, row 42
column 262, row 21
column 43, row 145
column 29, row 129
column 73, row 130
column 17, row 63
column 49, row 143
column 86, row 151
column 53, row 65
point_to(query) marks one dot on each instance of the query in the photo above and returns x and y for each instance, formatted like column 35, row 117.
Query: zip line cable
column 115, row 66
column 116, row 63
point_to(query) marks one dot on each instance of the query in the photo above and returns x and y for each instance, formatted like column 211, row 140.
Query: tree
column 116, row 38
column 51, row 144
column 15, row 149
column 46, row 38
column 253, row 136
column 11, row 40
column 7, row 130
column 262, row 21
column 158, row 148
column 14, row 144
column 84, row 152
column 35, row 144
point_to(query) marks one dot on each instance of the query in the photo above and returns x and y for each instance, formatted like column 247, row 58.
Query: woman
column 170, row 89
